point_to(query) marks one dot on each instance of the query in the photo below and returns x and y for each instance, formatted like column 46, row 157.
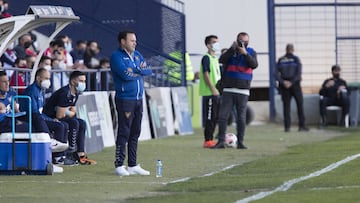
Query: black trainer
column 303, row 129
column 219, row 145
column 241, row 146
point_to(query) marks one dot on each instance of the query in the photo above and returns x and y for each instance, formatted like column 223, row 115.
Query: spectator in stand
column 79, row 51
column 32, row 50
column 67, row 49
column 54, row 45
column 61, row 106
column 25, row 42
column 2, row 8
column 67, row 42
column 5, row 10
column 57, row 51
column 92, row 55
column 19, row 78
column 8, row 60
column 102, row 78
column 78, row 55
column 45, row 62
column 30, row 61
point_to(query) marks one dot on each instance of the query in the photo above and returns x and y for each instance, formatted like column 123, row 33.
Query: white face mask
column 47, row 67
column 215, row 46
column 11, row 45
column 81, row 87
column 68, row 47
column 62, row 65
column 45, row 84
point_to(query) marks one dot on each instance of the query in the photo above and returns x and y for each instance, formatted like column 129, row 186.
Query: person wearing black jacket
column 334, row 92
column 238, row 61
column 288, row 74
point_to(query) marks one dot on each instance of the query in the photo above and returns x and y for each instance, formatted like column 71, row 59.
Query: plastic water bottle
column 159, row 169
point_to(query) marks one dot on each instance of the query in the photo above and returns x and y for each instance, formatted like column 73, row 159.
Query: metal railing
column 96, row 79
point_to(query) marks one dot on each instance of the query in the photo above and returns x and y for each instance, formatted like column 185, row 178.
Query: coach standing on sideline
column 288, row 74
column 128, row 68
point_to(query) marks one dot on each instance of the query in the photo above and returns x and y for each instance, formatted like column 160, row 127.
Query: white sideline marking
column 287, row 185
column 205, row 175
column 338, row 187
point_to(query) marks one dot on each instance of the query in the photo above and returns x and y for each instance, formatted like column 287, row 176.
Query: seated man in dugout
column 334, row 92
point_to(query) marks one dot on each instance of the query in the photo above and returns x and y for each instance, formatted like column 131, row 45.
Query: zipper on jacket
column 138, row 89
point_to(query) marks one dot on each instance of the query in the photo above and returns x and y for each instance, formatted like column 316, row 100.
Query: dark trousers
column 76, row 134
column 228, row 101
column 20, row 126
column 129, row 128
column 60, row 131
column 286, row 95
column 210, row 108
column 343, row 101
column 39, row 124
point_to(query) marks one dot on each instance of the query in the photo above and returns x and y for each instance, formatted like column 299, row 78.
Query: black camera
column 240, row 43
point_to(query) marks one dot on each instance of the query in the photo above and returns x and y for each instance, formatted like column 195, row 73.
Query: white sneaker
column 137, row 170
column 121, row 171
column 57, row 169
column 57, row 146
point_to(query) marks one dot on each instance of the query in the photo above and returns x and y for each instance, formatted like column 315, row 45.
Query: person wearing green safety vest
column 173, row 69
column 209, row 76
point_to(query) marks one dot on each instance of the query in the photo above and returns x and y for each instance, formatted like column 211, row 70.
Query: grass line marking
column 287, row 185
column 205, row 175
column 84, row 182
column 337, row 188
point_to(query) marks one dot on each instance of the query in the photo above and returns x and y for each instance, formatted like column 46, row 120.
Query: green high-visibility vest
column 214, row 75
column 174, row 70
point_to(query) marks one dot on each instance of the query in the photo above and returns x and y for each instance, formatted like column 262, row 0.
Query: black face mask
column 27, row 45
column 337, row 76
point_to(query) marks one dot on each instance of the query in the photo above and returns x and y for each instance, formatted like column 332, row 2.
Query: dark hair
column 208, row 39
column 88, row 44
column 43, row 58
column 61, row 37
column 58, row 43
column 76, row 74
column 2, row 73
column 40, row 71
column 17, row 60
column 104, row 60
column 80, row 42
column 242, row 34
column 123, row 34
column 335, row 67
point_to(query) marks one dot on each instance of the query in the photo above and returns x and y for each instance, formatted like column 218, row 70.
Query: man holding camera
column 238, row 62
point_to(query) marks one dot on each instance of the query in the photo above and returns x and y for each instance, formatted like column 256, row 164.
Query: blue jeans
column 129, row 128
column 228, row 101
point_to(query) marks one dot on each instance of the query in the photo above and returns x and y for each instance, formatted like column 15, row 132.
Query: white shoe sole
column 123, row 172
column 59, row 147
